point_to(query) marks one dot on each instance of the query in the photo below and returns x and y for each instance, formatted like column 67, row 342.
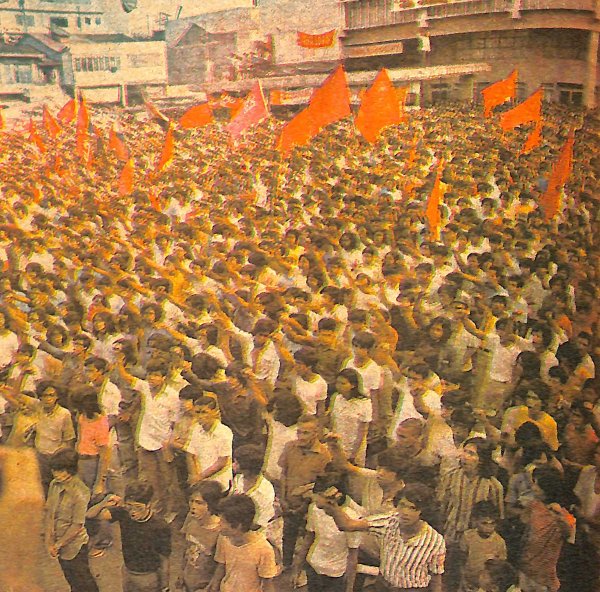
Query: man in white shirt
column 330, row 553
column 210, row 446
column 504, row 347
column 264, row 357
column 371, row 373
column 160, row 409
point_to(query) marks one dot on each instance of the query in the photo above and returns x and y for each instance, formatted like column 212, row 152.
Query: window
column 440, row 92
column 59, row 21
column 88, row 20
column 570, row 94
column 97, row 64
column 98, row 20
column 23, row 74
column 25, row 20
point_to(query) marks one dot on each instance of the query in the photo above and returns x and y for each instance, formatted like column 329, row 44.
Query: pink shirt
column 93, row 433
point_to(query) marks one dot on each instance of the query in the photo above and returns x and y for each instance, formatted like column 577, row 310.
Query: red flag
column 379, row 108
column 401, row 94
column 316, row 41
column 561, row 172
column 68, row 112
column 116, row 142
column 82, row 129
column 126, row 178
column 154, row 113
column 533, row 139
column 35, row 138
column 432, row 211
column 253, row 111
column 297, row 132
column 196, row 116
column 412, row 155
column 89, row 157
column 168, row 151
column 499, row 92
column 529, row 110
column 154, row 201
column 50, row 123
column 331, row 101
column 58, row 166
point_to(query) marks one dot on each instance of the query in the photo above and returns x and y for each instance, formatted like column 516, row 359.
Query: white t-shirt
column 209, row 446
column 266, row 363
column 279, row 436
column 310, row 392
column 158, row 414
column 329, row 552
column 503, row 359
column 346, row 418
column 262, row 494
column 585, row 490
column 371, row 374
column 9, row 344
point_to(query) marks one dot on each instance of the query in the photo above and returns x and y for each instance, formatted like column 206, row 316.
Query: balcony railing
column 363, row 14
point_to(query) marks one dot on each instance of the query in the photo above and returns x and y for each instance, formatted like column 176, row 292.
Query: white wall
column 140, row 62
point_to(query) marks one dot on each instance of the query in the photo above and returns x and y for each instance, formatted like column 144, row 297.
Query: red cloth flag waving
column 297, row 132
column 331, row 101
column 82, row 129
column 534, row 138
column 432, row 211
column 561, row 172
column 196, row 116
column 168, row 151
column 253, row 111
column 316, row 41
column 379, row 108
column 35, row 138
column 499, row 93
column 68, row 112
column 116, row 142
column 50, row 123
column 328, row 104
column 529, row 110
column 126, row 178
column 155, row 115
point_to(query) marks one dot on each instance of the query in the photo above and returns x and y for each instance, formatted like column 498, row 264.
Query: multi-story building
column 229, row 49
column 73, row 16
column 553, row 43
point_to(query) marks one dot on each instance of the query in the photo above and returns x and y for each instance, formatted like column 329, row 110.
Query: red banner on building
column 316, row 41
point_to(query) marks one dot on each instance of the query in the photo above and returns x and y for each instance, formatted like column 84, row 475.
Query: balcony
column 364, row 14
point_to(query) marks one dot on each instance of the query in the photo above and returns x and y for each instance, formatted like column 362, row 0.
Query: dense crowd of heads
column 307, row 329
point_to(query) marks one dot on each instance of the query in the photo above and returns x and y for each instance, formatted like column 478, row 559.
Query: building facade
column 553, row 43
column 73, row 16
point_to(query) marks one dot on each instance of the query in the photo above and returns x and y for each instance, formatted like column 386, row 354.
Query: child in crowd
column 201, row 529
column 480, row 544
column 245, row 559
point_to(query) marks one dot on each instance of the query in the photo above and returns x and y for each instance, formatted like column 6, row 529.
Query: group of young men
column 279, row 361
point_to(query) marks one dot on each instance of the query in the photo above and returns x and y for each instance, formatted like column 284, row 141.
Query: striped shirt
column 411, row 563
column 458, row 493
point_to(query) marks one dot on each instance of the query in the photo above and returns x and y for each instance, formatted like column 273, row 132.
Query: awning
column 364, row 78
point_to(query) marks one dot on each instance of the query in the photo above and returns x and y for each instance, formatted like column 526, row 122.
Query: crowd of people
column 278, row 360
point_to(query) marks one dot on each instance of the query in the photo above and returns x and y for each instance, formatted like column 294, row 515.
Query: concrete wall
column 81, row 15
column 144, row 19
column 139, row 62
column 285, row 19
